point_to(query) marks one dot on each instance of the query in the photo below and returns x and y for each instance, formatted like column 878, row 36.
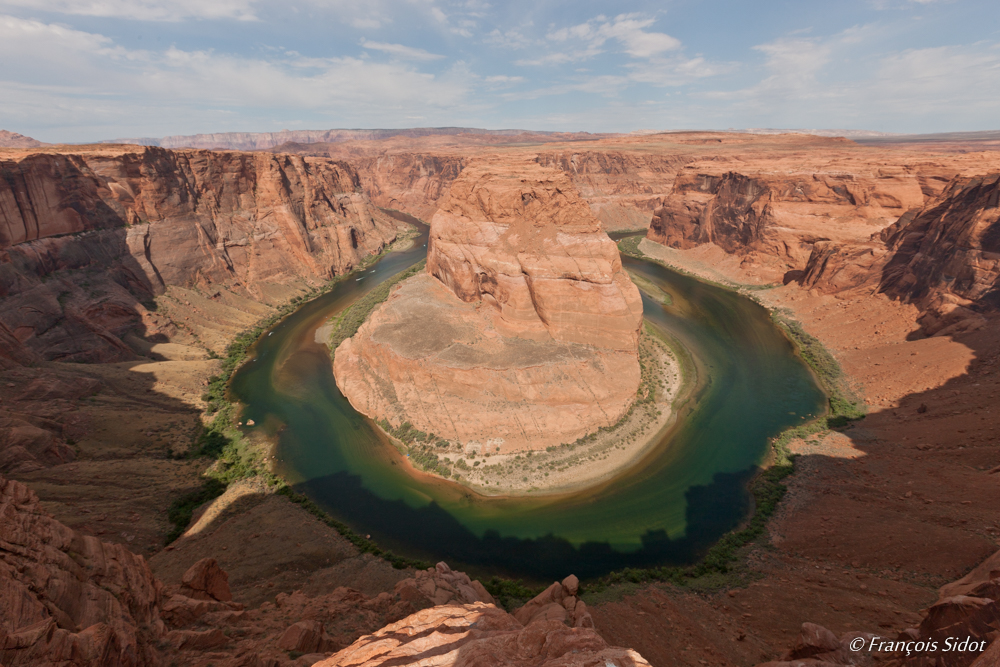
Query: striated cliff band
column 522, row 334
column 88, row 238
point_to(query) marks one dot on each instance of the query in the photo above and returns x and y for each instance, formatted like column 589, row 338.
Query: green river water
column 669, row 508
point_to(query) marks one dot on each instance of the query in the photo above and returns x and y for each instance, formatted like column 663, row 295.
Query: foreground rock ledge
column 522, row 334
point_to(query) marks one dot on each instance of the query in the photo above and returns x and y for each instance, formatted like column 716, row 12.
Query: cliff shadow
column 431, row 533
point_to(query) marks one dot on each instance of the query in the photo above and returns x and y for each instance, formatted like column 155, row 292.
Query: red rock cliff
column 523, row 242
column 945, row 257
column 138, row 220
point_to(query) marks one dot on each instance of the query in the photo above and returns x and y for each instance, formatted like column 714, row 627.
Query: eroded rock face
column 480, row 634
column 945, row 257
column 522, row 241
column 115, row 227
column 442, row 585
column 523, row 333
column 70, row 597
column 776, row 215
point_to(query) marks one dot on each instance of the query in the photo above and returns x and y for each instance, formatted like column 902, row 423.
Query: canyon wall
column 778, row 217
column 622, row 187
column 88, row 239
column 67, row 598
column 944, row 257
column 522, row 334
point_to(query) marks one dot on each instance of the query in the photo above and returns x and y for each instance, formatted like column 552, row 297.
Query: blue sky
column 78, row 70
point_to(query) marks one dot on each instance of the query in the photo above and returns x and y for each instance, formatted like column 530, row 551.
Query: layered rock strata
column 780, row 216
column 481, row 634
column 87, row 239
column 944, row 257
column 67, row 598
column 523, row 333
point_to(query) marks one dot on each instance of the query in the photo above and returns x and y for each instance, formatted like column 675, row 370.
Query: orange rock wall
column 137, row 220
column 523, row 242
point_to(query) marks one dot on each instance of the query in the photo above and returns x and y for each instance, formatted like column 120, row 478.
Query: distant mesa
column 255, row 141
column 15, row 140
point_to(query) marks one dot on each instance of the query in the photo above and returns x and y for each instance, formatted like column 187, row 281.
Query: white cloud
column 400, row 51
column 503, row 78
column 833, row 82
column 89, row 80
column 627, row 29
column 143, row 10
column 510, row 39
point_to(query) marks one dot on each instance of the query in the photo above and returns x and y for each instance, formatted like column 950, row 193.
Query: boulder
column 307, row 637
column 205, row 580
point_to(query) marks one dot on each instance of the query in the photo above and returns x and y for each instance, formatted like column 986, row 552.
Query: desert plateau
column 553, row 349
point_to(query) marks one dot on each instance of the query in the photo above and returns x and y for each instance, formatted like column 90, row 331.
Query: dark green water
column 671, row 506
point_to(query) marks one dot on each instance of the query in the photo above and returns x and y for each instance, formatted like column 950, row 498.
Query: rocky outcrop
column 961, row 629
column 557, row 602
column 480, row 634
column 777, row 214
column 441, row 585
column 951, row 246
column 945, row 257
column 522, row 334
column 70, row 597
column 818, row 647
column 88, row 239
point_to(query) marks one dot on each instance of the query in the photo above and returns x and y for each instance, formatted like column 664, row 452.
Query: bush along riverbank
column 723, row 565
column 346, row 323
column 234, row 457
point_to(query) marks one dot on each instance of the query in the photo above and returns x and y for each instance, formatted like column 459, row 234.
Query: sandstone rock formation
column 480, row 634
column 779, row 215
column 557, row 602
column 522, row 334
column 943, row 257
column 967, row 609
column 205, row 580
column 441, row 585
column 70, row 597
column 114, row 227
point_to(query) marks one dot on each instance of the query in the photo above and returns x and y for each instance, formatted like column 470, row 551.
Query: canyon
column 885, row 253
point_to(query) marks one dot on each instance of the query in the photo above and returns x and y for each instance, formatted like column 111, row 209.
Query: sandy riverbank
column 667, row 378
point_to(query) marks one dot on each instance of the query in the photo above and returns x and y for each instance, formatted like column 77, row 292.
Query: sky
column 83, row 70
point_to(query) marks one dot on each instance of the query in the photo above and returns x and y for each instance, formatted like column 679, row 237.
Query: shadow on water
column 433, row 532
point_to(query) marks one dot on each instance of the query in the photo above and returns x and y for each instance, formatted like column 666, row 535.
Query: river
column 683, row 495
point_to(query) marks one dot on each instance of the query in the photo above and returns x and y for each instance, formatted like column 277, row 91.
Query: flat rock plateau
column 124, row 270
column 523, row 332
